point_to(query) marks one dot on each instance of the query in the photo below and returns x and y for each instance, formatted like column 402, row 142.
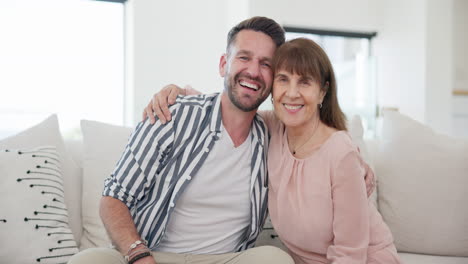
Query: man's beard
column 234, row 97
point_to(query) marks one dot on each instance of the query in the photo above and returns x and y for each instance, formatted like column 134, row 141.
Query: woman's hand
column 159, row 104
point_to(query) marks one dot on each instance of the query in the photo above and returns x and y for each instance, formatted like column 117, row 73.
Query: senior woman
column 317, row 197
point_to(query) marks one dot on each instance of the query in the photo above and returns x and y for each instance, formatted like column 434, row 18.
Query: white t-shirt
column 213, row 212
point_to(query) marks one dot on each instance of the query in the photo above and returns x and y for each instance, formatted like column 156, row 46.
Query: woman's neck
column 303, row 140
column 304, row 132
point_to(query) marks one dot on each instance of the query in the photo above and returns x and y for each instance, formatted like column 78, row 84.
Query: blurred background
column 103, row 60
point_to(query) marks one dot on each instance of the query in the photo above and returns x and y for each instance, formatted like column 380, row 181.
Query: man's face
column 246, row 69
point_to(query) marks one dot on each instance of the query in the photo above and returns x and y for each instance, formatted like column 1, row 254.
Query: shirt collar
column 216, row 118
column 257, row 130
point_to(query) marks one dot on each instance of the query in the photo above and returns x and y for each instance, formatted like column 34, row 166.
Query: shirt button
column 189, row 177
column 171, row 204
column 207, row 150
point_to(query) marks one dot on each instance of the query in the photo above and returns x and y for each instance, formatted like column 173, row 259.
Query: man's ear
column 223, row 65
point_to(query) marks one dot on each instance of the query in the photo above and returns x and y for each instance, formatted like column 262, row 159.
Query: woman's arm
column 350, row 212
column 269, row 118
column 159, row 104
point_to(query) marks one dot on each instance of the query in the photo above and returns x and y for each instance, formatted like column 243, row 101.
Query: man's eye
column 266, row 65
column 244, row 58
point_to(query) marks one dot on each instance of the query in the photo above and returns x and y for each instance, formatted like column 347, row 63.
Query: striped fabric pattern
column 160, row 160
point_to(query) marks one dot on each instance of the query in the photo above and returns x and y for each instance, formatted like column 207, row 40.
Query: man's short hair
column 259, row 24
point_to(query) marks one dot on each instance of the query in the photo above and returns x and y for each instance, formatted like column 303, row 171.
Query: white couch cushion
column 103, row 146
column 34, row 217
column 47, row 133
column 423, row 179
column 409, row 258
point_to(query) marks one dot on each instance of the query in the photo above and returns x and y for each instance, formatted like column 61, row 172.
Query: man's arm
column 120, row 227
column 129, row 182
column 119, row 223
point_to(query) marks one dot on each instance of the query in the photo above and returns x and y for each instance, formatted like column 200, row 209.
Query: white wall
column 439, row 65
column 178, row 42
column 460, row 44
column 460, row 57
column 400, row 51
column 357, row 15
column 415, row 60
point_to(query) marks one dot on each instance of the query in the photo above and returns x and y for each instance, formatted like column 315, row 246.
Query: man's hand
column 370, row 180
column 159, row 105
column 120, row 226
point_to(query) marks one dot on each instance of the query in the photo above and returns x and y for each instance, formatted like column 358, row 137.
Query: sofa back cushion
column 423, row 179
column 103, row 146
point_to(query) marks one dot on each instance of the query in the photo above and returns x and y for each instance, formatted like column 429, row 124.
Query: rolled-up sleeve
column 350, row 212
column 137, row 168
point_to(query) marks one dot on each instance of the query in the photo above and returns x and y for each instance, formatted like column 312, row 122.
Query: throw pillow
column 47, row 133
column 34, row 218
column 103, row 146
column 422, row 187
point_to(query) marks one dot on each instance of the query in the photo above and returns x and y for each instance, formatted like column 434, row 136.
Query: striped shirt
column 160, row 160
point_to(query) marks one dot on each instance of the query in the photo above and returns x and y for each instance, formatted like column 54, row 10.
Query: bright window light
column 64, row 57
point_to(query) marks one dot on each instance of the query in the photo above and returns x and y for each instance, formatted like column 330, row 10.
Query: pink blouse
column 319, row 206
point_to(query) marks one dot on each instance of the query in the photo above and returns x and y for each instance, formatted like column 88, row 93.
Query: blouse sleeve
column 350, row 210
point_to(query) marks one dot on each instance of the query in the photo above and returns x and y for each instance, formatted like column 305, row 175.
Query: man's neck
column 236, row 122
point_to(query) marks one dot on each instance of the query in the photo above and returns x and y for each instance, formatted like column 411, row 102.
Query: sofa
column 422, row 192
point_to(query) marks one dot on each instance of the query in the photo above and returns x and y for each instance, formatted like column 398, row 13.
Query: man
column 194, row 190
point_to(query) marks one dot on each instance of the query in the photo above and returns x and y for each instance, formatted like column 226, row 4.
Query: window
column 64, row 57
column 350, row 54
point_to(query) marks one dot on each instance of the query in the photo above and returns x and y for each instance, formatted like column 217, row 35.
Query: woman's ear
column 324, row 91
column 326, row 86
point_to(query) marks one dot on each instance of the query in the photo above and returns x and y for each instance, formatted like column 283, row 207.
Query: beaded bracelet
column 134, row 246
column 139, row 256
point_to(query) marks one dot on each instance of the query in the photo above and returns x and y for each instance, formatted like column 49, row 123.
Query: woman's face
column 296, row 98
